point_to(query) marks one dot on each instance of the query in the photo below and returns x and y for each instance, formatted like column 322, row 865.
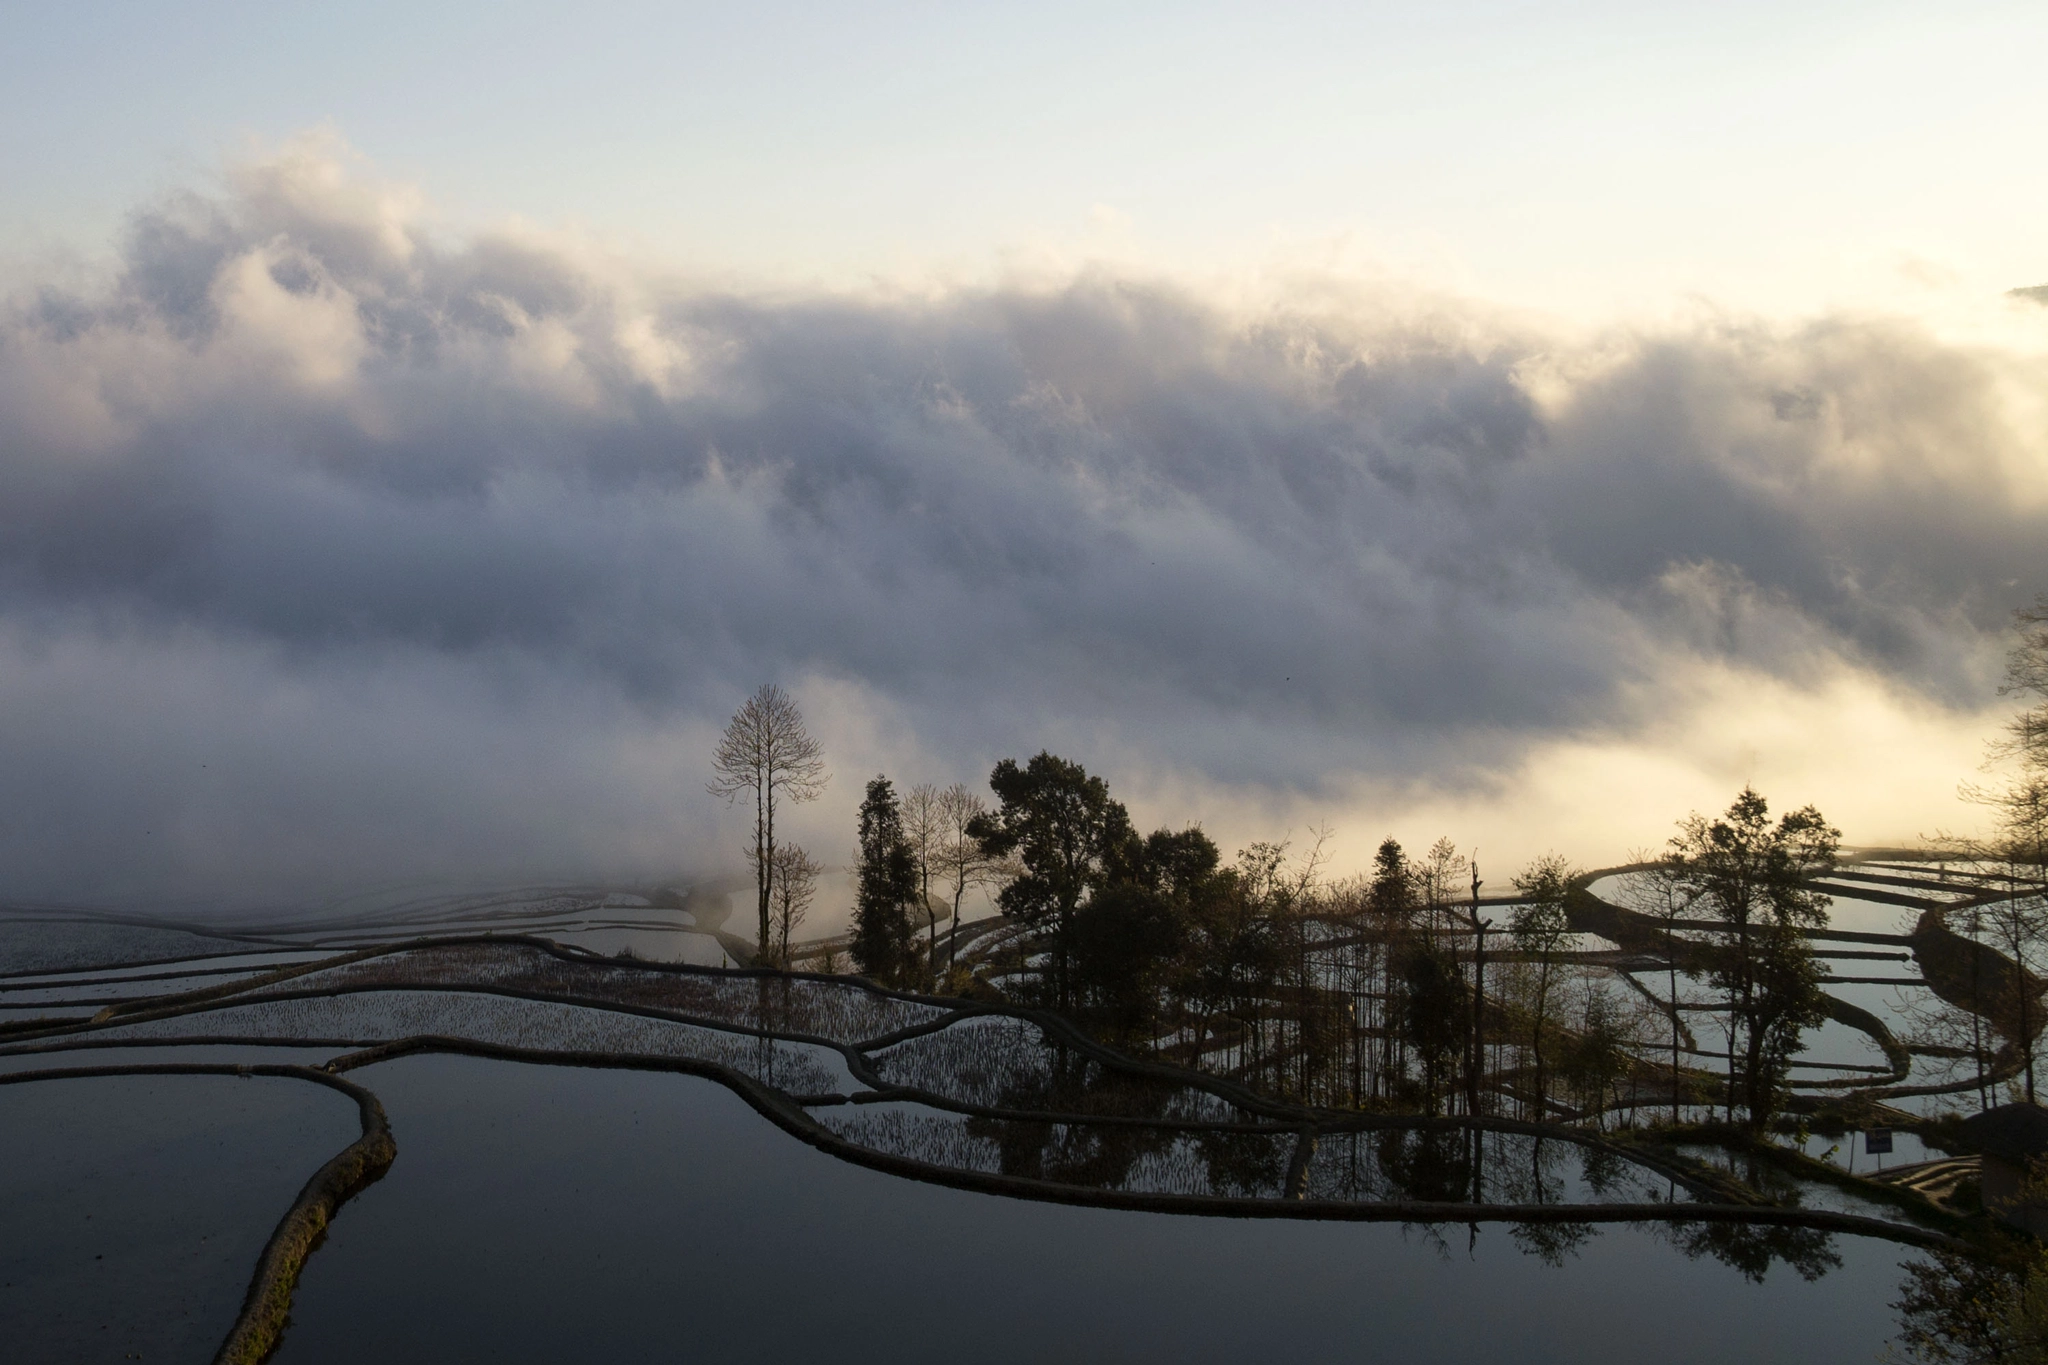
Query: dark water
column 553, row 1214
column 132, row 1209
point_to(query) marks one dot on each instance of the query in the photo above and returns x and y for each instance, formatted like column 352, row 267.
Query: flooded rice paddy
column 623, row 1159
column 133, row 1208
column 552, row 1214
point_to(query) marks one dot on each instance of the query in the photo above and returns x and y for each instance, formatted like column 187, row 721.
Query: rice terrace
column 908, row 684
column 1315, row 1087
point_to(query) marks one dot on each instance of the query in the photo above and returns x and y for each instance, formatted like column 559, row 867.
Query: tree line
column 1391, row 989
column 1369, row 991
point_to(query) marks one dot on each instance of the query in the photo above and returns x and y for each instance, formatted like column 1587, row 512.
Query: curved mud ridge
column 259, row 1326
column 1960, row 971
column 853, row 1020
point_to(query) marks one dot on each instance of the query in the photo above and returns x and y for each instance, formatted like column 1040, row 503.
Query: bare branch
column 767, row 751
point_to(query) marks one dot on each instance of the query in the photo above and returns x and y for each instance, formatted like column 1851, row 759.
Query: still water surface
column 555, row 1214
column 133, row 1208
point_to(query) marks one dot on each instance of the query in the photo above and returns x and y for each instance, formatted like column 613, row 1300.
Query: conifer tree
column 886, row 883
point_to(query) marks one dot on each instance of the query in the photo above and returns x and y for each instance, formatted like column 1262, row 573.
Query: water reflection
column 1003, row 1062
column 966, row 1090
column 540, row 1214
column 1753, row 1248
column 133, row 1208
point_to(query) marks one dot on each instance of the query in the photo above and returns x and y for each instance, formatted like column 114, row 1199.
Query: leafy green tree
column 886, row 883
column 1754, row 875
column 1066, row 833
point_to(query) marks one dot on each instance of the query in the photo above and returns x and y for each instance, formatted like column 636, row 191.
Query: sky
column 1521, row 423
column 1580, row 158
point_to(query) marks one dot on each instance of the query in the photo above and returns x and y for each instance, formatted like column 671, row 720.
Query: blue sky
column 1587, row 159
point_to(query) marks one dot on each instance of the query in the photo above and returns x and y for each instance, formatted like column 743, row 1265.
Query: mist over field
column 337, row 550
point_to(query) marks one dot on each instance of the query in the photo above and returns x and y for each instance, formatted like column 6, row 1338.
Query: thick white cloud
column 332, row 552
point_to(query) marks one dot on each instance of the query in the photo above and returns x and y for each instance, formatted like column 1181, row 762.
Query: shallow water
column 650, row 945
column 1851, row 1151
column 98, row 991
column 211, row 1054
column 551, row 1214
column 1869, row 917
column 134, row 1208
column 1847, row 910
column 384, row 1015
column 31, row 945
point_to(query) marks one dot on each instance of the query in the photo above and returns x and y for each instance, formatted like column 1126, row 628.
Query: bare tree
column 1542, row 934
column 2018, row 920
column 2023, row 806
column 2018, row 926
column 1475, row 1065
column 1600, row 1045
column 961, row 859
column 1656, row 892
column 924, row 825
column 1436, row 878
column 1947, row 1041
column 796, row 886
column 767, row 751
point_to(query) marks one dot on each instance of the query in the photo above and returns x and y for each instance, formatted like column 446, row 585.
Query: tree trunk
column 1478, row 1041
column 764, row 849
column 1676, row 1081
column 953, row 930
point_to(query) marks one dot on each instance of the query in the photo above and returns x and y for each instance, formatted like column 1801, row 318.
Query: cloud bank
column 334, row 552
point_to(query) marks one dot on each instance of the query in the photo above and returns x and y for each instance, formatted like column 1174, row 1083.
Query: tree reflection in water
column 1753, row 1248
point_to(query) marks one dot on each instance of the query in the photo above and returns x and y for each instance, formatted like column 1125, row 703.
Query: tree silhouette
column 767, row 751
column 796, row 886
column 924, row 827
column 2018, row 921
column 886, row 880
column 1542, row 933
column 1065, row 830
column 1753, row 874
column 961, row 860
